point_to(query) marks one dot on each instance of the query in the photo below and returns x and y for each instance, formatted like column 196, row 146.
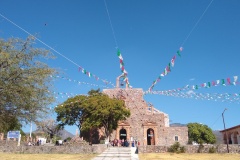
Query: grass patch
column 185, row 156
column 12, row 156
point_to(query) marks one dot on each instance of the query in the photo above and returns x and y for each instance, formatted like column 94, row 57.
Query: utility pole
column 225, row 128
column 31, row 129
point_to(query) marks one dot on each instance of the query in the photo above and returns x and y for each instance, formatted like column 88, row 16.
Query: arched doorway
column 123, row 134
column 150, row 137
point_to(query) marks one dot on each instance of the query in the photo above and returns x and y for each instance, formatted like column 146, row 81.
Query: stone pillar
column 1, row 136
column 126, row 83
column 155, row 135
column 128, row 133
column 117, row 133
column 144, row 135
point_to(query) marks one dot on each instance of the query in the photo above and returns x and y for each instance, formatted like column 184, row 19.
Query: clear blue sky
column 148, row 33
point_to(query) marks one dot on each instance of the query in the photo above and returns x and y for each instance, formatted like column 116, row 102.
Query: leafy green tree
column 9, row 122
column 104, row 112
column 200, row 133
column 72, row 112
column 94, row 111
column 24, row 81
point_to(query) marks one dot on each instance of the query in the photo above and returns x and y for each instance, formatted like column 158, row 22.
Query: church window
column 176, row 138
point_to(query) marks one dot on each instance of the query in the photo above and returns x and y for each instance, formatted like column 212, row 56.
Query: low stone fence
column 220, row 148
column 11, row 147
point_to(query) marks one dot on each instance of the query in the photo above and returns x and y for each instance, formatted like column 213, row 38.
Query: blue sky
column 148, row 34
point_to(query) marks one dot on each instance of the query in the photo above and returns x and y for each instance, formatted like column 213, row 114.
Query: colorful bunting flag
column 208, row 84
column 167, row 69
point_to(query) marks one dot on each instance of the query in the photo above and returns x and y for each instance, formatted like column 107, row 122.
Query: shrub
column 212, row 150
column 182, row 149
column 200, row 148
column 176, row 148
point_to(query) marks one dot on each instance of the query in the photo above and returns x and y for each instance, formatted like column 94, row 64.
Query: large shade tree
column 200, row 133
column 24, row 81
column 72, row 112
column 95, row 110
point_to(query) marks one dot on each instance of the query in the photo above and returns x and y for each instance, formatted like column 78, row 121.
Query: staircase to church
column 118, row 153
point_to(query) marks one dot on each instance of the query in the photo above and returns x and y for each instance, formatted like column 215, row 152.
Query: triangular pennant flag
column 178, row 53
column 122, row 69
column 223, row 82
column 89, row 74
column 209, row 84
column 235, row 78
column 118, row 53
column 181, row 49
column 165, row 71
column 218, row 81
column 173, row 61
column 196, row 87
column 213, row 83
column 229, row 81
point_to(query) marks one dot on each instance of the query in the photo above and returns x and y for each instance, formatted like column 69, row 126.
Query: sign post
column 14, row 134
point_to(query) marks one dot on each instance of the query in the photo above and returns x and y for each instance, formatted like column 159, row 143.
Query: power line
column 109, row 18
column 46, row 44
column 196, row 23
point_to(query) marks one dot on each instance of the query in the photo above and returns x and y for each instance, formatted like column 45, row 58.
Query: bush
column 176, row 148
column 182, row 149
column 212, row 150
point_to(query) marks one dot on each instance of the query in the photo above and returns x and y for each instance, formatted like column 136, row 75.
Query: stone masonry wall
column 222, row 148
column 181, row 132
column 144, row 117
column 11, row 147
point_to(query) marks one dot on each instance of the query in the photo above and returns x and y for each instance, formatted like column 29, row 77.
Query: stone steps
column 118, row 153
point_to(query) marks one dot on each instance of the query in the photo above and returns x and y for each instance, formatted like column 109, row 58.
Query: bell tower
column 121, row 81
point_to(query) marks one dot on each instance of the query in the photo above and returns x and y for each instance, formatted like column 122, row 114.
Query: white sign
column 13, row 134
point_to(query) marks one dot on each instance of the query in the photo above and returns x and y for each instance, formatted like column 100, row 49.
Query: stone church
column 146, row 124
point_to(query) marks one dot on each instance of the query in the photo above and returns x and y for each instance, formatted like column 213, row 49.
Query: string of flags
column 223, row 97
column 122, row 68
column 77, row 101
column 64, row 94
column 79, row 82
column 167, row 69
column 89, row 74
column 221, row 82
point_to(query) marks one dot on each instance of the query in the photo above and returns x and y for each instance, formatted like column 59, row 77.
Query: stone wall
column 11, row 147
column 180, row 132
column 222, row 148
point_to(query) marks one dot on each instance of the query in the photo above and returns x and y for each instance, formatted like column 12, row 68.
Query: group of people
column 39, row 142
column 119, row 143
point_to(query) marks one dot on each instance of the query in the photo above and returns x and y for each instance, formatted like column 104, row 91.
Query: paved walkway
column 118, row 153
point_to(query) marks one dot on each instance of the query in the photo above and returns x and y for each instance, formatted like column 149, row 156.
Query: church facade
column 146, row 124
